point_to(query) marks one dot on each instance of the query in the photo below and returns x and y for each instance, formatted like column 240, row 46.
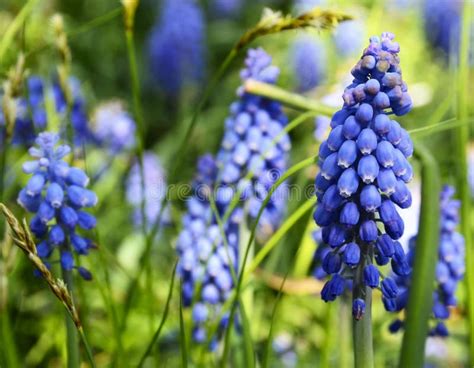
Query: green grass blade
column 14, row 27
column 268, row 344
column 156, row 335
column 422, row 279
column 288, row 98
column 182, row 332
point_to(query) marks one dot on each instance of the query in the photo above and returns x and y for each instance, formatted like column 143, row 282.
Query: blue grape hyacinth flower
column 113, row 127
column 57, row 194
column 349, row 38
column 450, row 268
column 442, row 20
column 254, row 149
column 154, row 191
column 177, row 46
column 208, row 255
column 309, row 62
column 363, row 175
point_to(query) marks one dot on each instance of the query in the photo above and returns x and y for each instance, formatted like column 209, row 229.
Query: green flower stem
column 288, row 98
column 71, row 331
column 326, row 353
column 420, row 301
column 461, row 174
column 8, row 341
column 362, row 329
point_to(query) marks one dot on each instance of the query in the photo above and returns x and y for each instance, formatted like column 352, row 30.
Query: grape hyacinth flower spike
column 56, row 193
column 254, row 149
column 206, row 259
column 450, row 268
column 155, row 191
column 363, row 175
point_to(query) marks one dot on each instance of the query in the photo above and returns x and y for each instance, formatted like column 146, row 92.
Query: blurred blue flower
column 155, row 191
column 56, row 193
column 349, row 38
column 207, row 259
column 226, row 8
column 308, row 62
column 113, row 127
column 77, row 114
column 363, row 172
column 443, row 24
column 450, row 268
column 177, row 46
column 321, row 128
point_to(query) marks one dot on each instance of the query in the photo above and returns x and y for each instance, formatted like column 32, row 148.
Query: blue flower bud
column 405, row 145
column 56, row 235
column 371, row 276
column 367, row 141
column 349, row 214
column 385, row 245
column 45, row 212
column 337, row 235
column 200, row 313
column 386, row 181
column 332, row 263
column 30, row 203
column 348, row 183
column 385, row 154
column 372, row 86
column 364, row 113
column 351, row 128
column 391, row 80
column 210, row 294
column 394, row 135
column 253, row 138
column 381, row 101
column 335, row 138
column 351, row 255
column 370, row 198
column 340, row 117
column 382, row 124
column 81, row 197
column 400, row 268
column 80, row 244
column 358, row 308
column 85, row 220
column 242, row 122
column 35, row 185
column 389, row 304
column 380, row 259
column 440, row 330
column 85, row 273
column 321, row 184
column 401, row 195
column 241, row 153
column 38, row 227
column 368, row 231
column 389, row 288
column 55, row 195
column 44, row 249
column 368, row 169
column 333, row 288
column 347, row 154
column 68, row 216
column 403, row 106
column 77, row 177
column 440, row 310
column 395, row 326
column 323, row 217
column 324, row 151
column 330, row 168
column 67, row 260
column 332, row 200
column 359, row 93
column 391, row 219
